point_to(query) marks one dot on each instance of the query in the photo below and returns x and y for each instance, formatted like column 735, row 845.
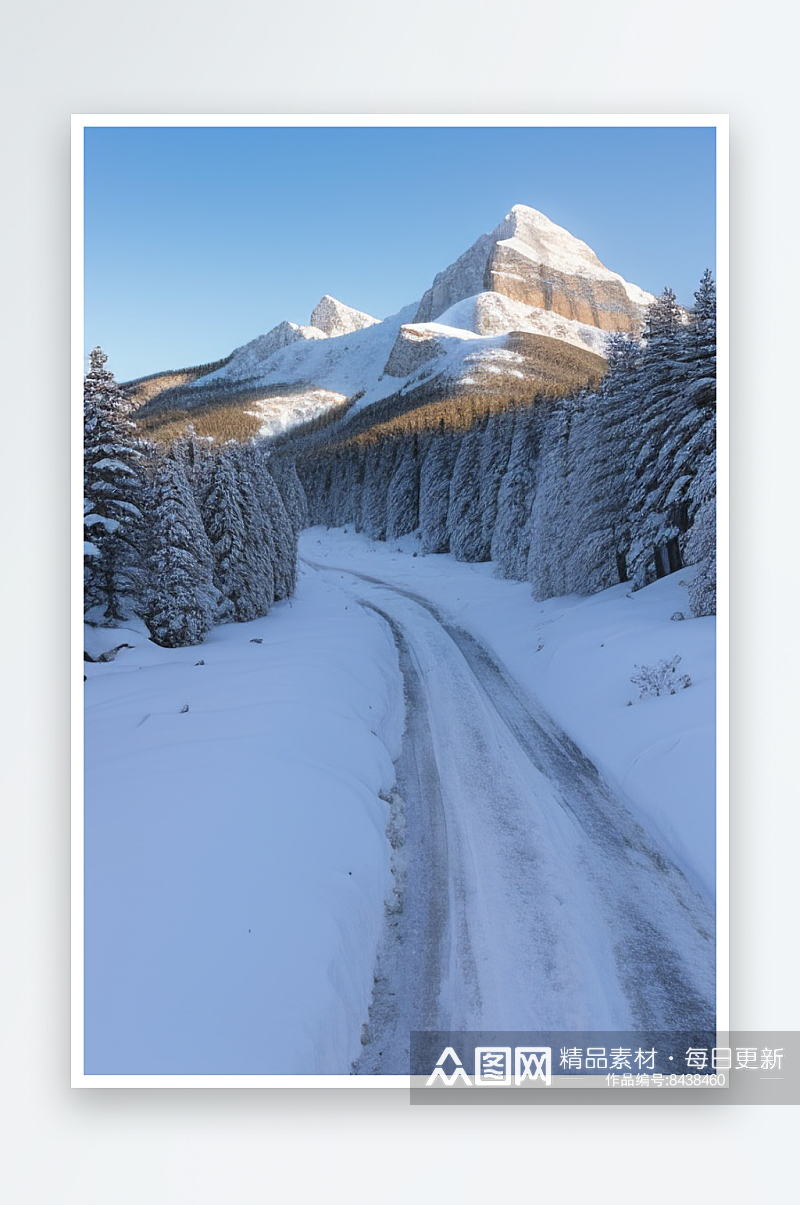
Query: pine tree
column 463, row 513
column 284, row 473
column 180, row 599
column 672, row 438
column 260, row 541
column 434, row 490
column 663, row 316
column 495, row 451
column 279, row 532
column 701, row 542
column 224, row 525
column 112, row 486
column 314, row 473
column 374, row 493
column 342, row 501
column 511, row 536
column 705, row 299
column 550, row 531
column 402, row 504
column 622, row 352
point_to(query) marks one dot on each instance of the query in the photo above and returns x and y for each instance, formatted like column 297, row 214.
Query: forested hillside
column 187, row 535
column 572, row 494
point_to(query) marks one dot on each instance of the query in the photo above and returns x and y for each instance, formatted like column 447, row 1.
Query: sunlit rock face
column 531, row 260
column 416, row 344
column 335, row 318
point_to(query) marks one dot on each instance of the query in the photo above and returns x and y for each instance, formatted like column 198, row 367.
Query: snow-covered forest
column 571, row 494
column 185, row 536
column 391, row 773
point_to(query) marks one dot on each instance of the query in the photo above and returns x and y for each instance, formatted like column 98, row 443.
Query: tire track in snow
column 636, row 908
column 427, row 941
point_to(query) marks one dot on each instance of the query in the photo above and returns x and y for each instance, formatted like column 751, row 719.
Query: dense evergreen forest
column 572, row 494
column 185, row 535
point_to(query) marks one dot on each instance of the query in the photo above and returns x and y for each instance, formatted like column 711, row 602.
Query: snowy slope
column 312, row 374
column 492, row 314
column 236, row 863
column 577, row 654
column 533, row 273
column 341, row 363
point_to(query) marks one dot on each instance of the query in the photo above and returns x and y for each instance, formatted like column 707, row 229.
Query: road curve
column 531, row 897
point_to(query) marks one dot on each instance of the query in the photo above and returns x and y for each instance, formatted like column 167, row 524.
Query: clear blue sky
column 199, row 239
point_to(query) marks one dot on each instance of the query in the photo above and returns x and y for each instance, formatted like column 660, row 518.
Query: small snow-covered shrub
column 660, row 679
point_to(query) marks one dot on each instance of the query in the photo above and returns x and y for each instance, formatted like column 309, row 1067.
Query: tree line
column 571, row 494
column 184, row 537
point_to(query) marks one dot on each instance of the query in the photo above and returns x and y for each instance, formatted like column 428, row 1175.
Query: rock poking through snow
column 531, row 260
column 335, row 318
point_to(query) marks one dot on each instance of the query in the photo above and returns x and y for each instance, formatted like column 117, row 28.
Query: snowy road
column 531, row 896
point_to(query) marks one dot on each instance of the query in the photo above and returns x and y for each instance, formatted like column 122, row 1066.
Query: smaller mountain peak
column 335, row 318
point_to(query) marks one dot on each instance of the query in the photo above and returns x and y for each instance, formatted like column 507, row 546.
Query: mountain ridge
column 527, row 275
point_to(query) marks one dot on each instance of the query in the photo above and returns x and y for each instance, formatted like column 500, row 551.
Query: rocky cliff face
column 528, row 305
column 251, row 355
column 461, row 279
column 417, row 343
column 531, row 260
column 333, row 317
column 495, row 314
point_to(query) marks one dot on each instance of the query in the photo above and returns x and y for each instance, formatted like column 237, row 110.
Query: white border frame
column 79, row 123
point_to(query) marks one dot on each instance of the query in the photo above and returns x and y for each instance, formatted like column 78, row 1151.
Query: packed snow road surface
column 528, row 895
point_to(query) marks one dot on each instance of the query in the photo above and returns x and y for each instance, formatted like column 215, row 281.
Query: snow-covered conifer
column 495, row 451
column 700, row 548
column 402, row 504
column 283, row 469
column 179, row 598
column 343, row 502
column 663, row 316
column 279, row 532
column 314, row 472
column 550, row 530
column 224, row 524
column 622, row 352
column 674, row 434
column 258, row 504
column 705, row 299
column 511, row 538
column 113, row 487
column 377, row 476
column 464, row 530
column 434, row 490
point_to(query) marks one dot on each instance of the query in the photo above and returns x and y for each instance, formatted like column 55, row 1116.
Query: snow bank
column 577, row 656
column 236, row 861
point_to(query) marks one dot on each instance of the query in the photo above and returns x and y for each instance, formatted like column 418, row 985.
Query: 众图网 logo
column 494, row 1065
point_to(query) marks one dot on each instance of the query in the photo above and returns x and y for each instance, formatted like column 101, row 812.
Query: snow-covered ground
column 237, row 863
column 577, row 655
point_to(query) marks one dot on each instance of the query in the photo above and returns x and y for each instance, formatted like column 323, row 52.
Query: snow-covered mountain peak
column 535, row 236
column 335, row 318
column 528, row 277
column 532, row 260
